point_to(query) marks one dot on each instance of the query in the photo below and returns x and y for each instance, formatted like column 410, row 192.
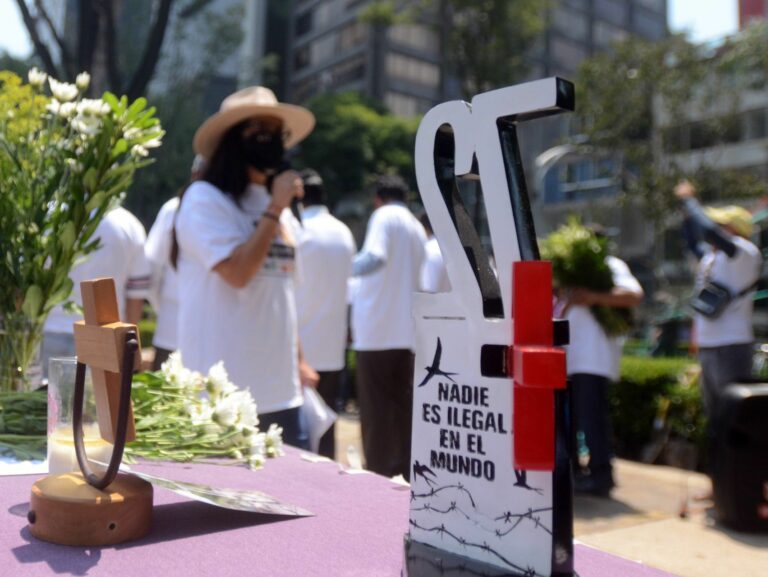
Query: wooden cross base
column 66, row 510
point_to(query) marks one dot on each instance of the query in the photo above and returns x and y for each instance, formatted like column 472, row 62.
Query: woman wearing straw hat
column 236, row 255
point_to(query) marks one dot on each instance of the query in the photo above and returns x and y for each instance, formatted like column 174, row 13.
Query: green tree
column 487, row 43
column 624, row 94
column 355, row 139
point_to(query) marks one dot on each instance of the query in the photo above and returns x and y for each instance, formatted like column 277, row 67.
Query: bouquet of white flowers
column 182, row 415
column 65, row 160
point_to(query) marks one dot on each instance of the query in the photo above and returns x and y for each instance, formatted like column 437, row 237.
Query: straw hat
column 248, row 103
column 736, row 217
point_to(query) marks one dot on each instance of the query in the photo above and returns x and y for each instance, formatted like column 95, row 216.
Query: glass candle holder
column 61, row 439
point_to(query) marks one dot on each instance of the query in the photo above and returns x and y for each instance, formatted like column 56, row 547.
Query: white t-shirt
column 164, row 295
column 382, row 312
column 591, row 351
column 327, row 247
column 734, row 325
column 251, row 329
column 434, row 275
column 120, row 256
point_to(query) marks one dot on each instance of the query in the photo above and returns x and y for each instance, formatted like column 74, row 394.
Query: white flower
column 82, row 81
column 138, row 151
column 74, row 165
column 132, row 133
column 93, row 107
column 53, row 106
column 274, row 441
column 86, row 124
column 153, row 143
column 218, row 382
column 226, row 411
column 255, row 461
column 249, row 418
column 67, row 109
column 36, row 77
column 201, row 412
column 259, row 444
column 62, row 91
column 175, row 372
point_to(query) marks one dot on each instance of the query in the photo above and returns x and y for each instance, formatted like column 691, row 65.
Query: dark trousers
column 328, row 389
column 294, row 427
column 385, row 392
column 721, row 366
column 592, row 417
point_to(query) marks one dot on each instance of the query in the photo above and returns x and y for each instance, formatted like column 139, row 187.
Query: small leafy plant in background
column 182, row 415
column 65, row 161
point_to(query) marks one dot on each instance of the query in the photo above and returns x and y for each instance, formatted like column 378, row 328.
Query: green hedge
column 655, row 395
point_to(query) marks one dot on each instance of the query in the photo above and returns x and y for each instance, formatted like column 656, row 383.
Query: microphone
column 295, row 202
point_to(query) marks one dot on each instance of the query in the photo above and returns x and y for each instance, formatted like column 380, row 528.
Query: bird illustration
column 422, row 471
column 435, row 368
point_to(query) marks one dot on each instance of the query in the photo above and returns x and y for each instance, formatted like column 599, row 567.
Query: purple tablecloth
column 357, row 530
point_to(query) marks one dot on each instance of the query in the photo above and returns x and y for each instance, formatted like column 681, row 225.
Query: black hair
column 314, row 191
column 424, row 220
column 227, row 170
column 391, row 187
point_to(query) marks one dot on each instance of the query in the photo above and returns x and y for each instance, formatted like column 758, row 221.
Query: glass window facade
column 413, row 70
column 416, row 36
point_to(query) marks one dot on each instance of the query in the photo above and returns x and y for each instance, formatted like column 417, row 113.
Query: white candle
column 61, row 449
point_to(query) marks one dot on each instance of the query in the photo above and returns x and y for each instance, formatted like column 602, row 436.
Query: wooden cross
column 99, row 342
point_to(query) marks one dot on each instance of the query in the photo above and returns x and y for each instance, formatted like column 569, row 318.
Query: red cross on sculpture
column 538, row 367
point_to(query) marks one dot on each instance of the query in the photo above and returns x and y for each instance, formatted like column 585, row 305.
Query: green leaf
column 111, row 99
column 96, row 201
column 67, row 236
column 32, row 301
column 90, row 178
column 138, row 105
column 120, row 147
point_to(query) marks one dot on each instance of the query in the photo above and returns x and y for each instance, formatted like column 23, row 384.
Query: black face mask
column 264, row 151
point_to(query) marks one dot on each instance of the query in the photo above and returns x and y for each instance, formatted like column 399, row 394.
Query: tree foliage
column 487, row 43
column 354, row 140
column 624, row 94
column 96, row 36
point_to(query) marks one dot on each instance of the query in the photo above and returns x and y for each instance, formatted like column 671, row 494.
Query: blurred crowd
column 248, row 265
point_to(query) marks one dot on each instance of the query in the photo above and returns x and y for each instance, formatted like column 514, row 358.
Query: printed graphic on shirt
column 281, row 260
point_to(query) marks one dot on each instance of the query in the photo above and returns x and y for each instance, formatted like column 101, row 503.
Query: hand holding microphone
column 287, row 189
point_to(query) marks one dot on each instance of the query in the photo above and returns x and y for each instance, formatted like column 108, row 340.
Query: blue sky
column 704, row 19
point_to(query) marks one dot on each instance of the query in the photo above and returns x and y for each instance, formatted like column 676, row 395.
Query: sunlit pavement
column 651, row 517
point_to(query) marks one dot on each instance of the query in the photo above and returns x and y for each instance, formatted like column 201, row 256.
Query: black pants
column 328, row 389
column 385, row 393
column 592, row 417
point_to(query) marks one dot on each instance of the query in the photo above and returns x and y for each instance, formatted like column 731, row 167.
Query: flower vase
column 20, row 362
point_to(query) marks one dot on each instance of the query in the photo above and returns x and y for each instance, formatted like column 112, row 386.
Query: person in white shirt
column 389, row 267
column 725, row 341
column 592, row 361
column 120, row 255
column 434, row 275
column 326, row 248
column 237, row 256
column 164, row 290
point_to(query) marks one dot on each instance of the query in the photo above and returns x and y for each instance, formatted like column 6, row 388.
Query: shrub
column 655, row 395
